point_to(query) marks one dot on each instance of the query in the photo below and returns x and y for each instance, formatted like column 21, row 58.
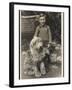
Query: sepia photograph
column 41, row 46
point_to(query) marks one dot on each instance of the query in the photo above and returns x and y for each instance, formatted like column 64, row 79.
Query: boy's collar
column 42, row 26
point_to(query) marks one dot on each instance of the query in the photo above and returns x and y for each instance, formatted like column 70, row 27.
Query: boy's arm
column 37, row 31
column 50, row 35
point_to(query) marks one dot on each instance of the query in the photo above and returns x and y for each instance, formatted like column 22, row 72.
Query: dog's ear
column 31, row 44
column 33, row 41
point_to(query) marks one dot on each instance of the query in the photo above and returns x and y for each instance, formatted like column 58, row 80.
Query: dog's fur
column 36, row 59
column 39, row 54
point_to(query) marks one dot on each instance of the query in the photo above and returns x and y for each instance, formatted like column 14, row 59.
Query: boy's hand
column 54, row 43
column 51, row 44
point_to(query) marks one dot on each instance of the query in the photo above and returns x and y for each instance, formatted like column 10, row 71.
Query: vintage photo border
column 11, row 43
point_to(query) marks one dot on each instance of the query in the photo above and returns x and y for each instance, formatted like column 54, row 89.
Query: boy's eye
column 42, row 18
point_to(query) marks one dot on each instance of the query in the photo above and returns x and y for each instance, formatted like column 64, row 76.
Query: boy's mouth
column 42, row 24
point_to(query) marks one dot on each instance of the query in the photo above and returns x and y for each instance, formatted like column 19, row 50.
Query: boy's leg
column 42, row 68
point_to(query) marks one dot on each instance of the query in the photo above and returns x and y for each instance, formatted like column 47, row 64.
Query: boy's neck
column 42, row 25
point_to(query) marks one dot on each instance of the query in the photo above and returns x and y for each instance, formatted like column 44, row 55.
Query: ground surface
column 54, row 70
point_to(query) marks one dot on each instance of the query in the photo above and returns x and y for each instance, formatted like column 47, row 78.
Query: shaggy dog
column 40, row 56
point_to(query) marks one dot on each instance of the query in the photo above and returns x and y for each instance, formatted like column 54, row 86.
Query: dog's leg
column 42, row 68
column 37, row 73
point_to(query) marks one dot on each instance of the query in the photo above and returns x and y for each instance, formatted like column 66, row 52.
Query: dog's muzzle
column 40, row 48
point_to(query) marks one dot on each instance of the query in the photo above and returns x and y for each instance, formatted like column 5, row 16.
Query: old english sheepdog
column 40, row 56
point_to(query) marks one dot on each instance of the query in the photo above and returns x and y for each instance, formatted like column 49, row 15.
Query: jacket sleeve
column 50, row 35
column 37, row 32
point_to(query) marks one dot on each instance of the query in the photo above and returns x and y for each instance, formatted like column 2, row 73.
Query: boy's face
column 42, row 20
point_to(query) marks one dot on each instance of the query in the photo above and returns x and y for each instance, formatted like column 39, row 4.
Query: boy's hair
column 42, row 15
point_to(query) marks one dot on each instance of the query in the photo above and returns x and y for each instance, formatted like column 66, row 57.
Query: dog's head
column 36, row 44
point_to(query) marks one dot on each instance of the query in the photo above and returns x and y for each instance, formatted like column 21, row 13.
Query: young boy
column 43, row 30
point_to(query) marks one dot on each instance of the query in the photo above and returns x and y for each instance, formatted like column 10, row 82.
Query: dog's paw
column 43, row 72
column 31, row 72
column 38, row 74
